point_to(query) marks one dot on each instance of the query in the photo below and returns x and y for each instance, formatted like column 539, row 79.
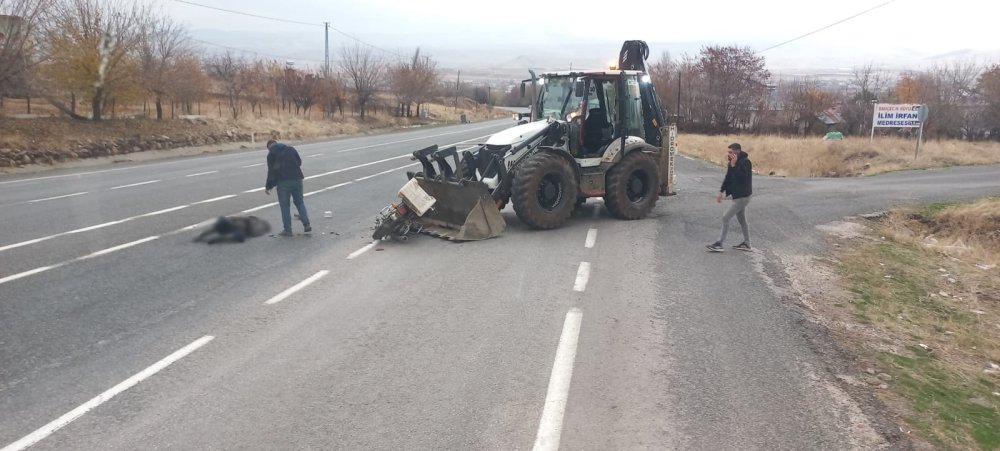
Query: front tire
column 632, row 186
column 544, row 191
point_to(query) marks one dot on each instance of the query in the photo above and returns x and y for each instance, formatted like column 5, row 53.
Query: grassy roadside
column 813, row 157
column 40, row 143
column 925, row 283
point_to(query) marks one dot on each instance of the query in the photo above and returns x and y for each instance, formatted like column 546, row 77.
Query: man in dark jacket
column 284, row 170
column 739, row 185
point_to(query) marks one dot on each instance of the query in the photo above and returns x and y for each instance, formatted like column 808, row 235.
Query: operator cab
column 599, row 107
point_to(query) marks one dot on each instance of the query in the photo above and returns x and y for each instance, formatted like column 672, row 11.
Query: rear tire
column 544, row 191
column 632, row 186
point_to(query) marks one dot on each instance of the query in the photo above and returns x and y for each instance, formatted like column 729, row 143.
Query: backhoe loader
column 591, row 134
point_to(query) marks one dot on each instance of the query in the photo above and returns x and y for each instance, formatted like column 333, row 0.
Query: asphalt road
column 118, row 332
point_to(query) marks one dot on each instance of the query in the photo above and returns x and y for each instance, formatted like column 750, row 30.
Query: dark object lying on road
column 234, row 229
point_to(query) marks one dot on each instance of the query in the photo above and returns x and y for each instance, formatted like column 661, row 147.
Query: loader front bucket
column 463, row 211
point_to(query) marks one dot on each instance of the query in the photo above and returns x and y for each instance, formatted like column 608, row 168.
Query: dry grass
column 813, row 157
column 57, row 133
column 968, row 231
column 937, row 308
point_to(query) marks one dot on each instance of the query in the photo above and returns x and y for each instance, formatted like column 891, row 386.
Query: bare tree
column 869, row 84
column 400, row 77
column 162, row 46
column 988, row 88
column 951, row 99
column 412, row 82
column 302, row 88
column 91, row 46
column 229, row 70
column 807, row 101
column 259, row 88
column 19, row 23
column 364, row 70
column 664, row 74
column 332, row 94
column 196, row 83
column 736, row 85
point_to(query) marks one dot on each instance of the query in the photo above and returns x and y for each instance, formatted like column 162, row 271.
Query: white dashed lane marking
column 78, row 412
column 550, row 425
column 285, row 294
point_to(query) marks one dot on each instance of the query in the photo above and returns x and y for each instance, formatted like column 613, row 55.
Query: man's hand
column 718, row 197
column 267, row 191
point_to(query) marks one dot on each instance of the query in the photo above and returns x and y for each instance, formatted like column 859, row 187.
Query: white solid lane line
column 180, row 207
column 358, row 252
column 327, row 189
column 384, row 172
column 582, row 276
column 78, row 412
column 254, row 190
column 201, row 173
column 62, row 176
column 119, row 247
column 591, row 238
column 223, row 156
column 28, row 273
column 258, row 208
column 417, row 139
column 314, row 155
column 107, row 224
column 284, row 294
column 215, row 199
column 550, row 426
column 357, row 166
column 57, row 197
column 251, row 165
column 136, row 184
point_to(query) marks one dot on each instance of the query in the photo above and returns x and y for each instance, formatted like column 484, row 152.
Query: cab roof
column 579, row 73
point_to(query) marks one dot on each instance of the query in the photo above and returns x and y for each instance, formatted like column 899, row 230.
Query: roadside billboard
column 896, row 115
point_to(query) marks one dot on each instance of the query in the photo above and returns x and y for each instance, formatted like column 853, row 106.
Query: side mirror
column 579, row 89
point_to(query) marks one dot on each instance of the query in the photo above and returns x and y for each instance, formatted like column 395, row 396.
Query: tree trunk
column 61, row 107
column 159, row 108
column 95, row 105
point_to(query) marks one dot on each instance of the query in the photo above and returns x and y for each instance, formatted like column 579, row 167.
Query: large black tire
column 632, row 186
column 544, row 191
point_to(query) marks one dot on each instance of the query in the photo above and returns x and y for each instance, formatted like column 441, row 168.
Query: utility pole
column 327, row 60
column 458, row 87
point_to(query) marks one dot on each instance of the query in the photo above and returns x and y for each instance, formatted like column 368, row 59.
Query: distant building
column 9, row 26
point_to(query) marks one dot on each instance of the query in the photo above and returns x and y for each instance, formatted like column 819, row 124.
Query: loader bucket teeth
column 464, row 211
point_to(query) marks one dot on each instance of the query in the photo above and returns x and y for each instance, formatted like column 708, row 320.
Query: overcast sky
column 902, row 33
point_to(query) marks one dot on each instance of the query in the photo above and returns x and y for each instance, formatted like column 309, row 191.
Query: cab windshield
column 557, row 98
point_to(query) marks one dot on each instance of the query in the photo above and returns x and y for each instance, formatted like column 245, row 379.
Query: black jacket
column 283, row 163
column 739, row 179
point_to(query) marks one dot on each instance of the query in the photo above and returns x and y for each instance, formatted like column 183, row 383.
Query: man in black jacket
column 738, row 184
column 284, row 171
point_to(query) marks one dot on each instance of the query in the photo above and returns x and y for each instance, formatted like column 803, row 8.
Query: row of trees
column 727, row 89
column 100, row 52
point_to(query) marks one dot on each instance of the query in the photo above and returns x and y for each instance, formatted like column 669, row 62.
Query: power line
column 249, row 14
column 282, row 57
column 276, row 19
column 824, row 28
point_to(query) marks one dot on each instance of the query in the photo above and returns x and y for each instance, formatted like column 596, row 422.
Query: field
column 813, row 157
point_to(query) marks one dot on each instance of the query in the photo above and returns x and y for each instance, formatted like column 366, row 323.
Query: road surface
column 118, row 332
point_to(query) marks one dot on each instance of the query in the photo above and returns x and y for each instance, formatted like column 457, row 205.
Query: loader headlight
column 645, row 79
